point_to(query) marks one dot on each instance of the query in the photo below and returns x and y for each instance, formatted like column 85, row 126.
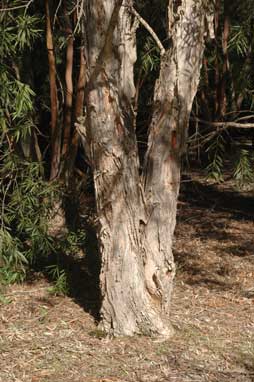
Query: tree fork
column 137, row 215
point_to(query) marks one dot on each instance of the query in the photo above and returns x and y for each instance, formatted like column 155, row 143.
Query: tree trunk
column 137, row 214
column 126, row 306
column 55, row 133
column 68, row 84
column 174, row 93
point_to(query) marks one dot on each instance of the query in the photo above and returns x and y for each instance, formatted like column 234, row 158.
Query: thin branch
column 31, row 291
column 56, row 12
column 245, row 118
column 221, row 126
column 239, row 111
column 17, row 7
column 80, row 13
column 225, row 124
column 149, row 29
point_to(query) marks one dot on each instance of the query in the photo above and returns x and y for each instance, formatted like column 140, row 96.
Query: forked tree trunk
column 137, row 214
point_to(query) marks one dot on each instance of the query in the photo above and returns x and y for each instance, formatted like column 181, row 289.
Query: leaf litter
column 47, row 338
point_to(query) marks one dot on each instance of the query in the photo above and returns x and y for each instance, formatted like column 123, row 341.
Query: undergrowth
column 27, row 197
column 25, row 242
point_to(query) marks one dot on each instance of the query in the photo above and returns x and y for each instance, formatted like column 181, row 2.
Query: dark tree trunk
column 55, row 132
column 69, row 86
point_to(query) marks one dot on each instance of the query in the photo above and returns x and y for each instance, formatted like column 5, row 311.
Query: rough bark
column 174, row 93
column 126, row 305
column 137, row 215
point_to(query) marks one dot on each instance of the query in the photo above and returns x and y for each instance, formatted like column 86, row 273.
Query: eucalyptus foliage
column 26, row 198
column 226, row 93
column 244, row 169
column 216, row 150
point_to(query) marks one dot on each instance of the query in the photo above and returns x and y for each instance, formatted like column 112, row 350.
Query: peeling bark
column 174, row 93
column 126, row 306
column 137, row 214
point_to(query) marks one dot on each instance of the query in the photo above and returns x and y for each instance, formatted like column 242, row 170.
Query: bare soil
column 47, row 338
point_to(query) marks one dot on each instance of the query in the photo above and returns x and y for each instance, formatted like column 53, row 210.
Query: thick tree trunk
column 137, row 215
column 127, row 307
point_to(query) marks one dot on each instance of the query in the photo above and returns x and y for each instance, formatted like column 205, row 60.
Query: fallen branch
column 208, row 135
column 225, row 124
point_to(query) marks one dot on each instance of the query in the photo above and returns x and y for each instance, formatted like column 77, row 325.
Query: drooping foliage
column 224, row 103
column 28, row 199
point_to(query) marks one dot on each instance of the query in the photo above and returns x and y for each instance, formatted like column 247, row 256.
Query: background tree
column 224, row 103
column 32, row 128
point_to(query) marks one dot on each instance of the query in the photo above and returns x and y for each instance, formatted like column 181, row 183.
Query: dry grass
column 44, row 338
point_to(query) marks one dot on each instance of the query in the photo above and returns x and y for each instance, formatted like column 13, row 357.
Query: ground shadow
column 197, row 271
column 210, row 197
column 214, row 234
column 210, row 209
column 81, row 269
column 83, row 274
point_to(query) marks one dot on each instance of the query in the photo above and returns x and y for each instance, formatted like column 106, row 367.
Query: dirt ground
column 47, row 338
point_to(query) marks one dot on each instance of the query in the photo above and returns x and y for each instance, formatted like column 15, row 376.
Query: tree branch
column 208, row 135
column 17, row 7
column 149, row 29
column 225, row 124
